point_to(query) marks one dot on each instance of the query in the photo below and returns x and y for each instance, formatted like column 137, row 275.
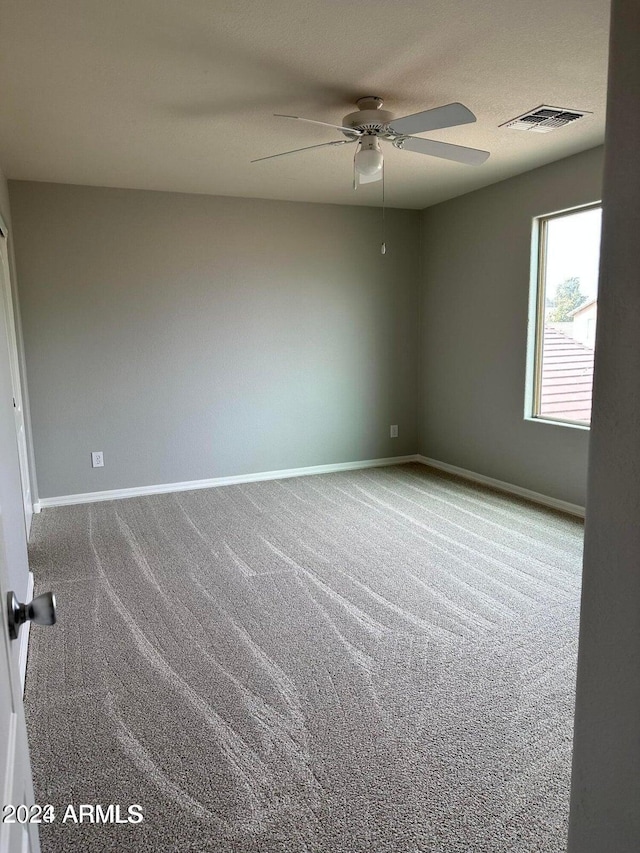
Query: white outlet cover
column 97, row 459
column 393, row 431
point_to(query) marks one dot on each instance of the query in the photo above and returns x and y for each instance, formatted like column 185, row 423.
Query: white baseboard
column 24, row 637
column 509, row 488
column 138, row 491
column 164, row 488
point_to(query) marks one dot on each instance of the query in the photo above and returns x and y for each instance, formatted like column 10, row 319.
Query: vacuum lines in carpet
column 378, row 660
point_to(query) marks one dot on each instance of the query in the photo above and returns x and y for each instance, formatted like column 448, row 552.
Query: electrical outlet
column 97, row 459
column 393, row 431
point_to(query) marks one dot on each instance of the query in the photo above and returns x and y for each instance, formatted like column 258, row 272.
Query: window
column 563, row 315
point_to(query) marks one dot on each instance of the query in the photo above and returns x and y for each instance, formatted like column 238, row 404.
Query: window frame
column 536, row 309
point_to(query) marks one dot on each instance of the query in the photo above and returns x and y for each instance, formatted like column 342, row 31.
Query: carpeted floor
column 380, row 660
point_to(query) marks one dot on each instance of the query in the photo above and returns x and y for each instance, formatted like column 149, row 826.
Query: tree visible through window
column 566, row 314
column 568, row 299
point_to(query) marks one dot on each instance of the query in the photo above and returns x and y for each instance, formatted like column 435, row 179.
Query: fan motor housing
column 369, row 118
column 370, row 121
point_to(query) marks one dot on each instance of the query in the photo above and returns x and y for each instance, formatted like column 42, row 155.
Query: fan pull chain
column 383, row 247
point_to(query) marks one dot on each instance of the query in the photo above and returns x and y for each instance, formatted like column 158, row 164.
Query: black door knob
column 42, row 611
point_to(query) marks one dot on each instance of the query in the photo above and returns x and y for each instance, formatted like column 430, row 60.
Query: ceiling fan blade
column 448, row 116
column 307, row 148
column 325, row 123
column 470, row 156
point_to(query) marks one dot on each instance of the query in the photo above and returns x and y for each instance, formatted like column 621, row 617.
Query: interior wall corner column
column 605, row 788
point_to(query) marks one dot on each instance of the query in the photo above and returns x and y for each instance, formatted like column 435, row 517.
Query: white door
column 15, row 772
column 18, row 409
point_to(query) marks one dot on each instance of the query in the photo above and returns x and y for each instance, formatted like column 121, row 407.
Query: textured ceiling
column 179, row 94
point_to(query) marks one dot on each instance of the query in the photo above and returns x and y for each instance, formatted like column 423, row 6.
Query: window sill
column 559, row 423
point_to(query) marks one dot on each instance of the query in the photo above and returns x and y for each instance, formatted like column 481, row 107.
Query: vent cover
column 545, row 119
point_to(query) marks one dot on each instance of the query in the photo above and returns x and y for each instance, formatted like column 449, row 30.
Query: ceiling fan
column 370, row 125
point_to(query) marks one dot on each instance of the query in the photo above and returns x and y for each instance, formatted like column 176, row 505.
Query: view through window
column 567, row 310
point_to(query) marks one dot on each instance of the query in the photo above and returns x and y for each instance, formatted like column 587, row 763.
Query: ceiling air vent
column 545, row 119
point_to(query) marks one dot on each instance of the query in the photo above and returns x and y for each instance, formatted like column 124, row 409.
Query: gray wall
column 190, row 336
column 605, row 785
column 13, row 530
column 474, row 306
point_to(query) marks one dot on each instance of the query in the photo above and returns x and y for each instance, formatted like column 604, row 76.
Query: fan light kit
column 370, row 125
column 368, row 159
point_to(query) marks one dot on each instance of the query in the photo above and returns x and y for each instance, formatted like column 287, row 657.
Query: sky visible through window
column 573, row 250
column 570, row 279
